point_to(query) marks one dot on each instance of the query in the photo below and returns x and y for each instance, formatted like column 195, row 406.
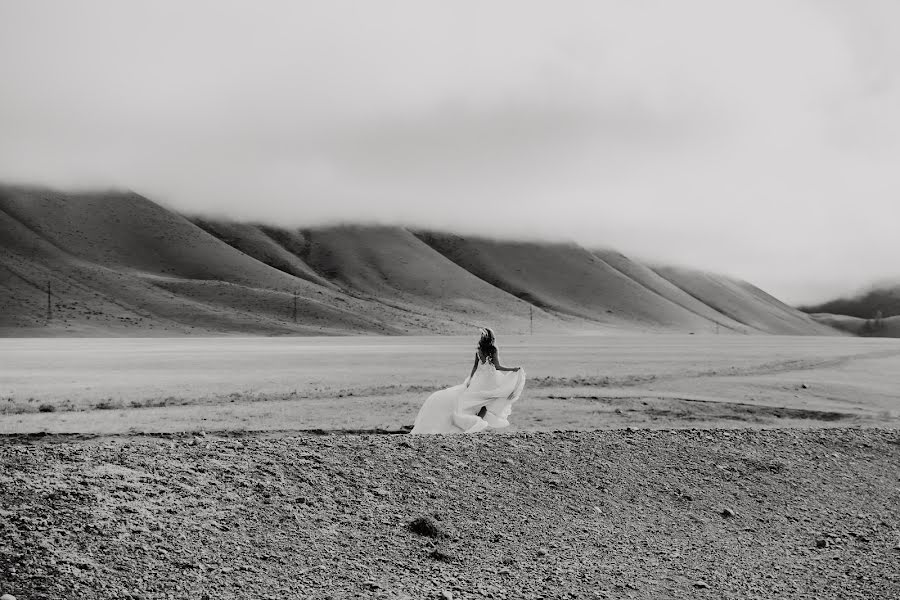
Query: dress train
column 455, row 409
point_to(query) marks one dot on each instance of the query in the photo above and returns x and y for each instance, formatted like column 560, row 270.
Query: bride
column 484, row 400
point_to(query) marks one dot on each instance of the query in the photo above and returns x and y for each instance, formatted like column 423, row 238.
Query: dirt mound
column 611, row 514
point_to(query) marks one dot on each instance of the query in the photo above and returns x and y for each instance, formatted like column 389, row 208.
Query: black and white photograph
column 449, row 299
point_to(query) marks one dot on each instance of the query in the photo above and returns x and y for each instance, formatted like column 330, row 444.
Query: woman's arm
column 472, row 374
column 499, row 367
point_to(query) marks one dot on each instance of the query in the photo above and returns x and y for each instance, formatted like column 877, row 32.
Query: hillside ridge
column 118, row 263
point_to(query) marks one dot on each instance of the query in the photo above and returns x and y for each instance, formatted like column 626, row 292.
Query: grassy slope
column 743, row 302
column 121, row 261
column 121, row 264
column 391, row 263
column 564, row 278
column 256, row 242
column 665, row 288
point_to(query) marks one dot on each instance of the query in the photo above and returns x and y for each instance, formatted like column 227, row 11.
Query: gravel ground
column 612, row 514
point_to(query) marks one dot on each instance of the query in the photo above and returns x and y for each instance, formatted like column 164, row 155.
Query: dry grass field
column 147, row 385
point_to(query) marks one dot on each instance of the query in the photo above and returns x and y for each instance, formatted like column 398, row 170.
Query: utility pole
column 295, row 307
column 48, row 300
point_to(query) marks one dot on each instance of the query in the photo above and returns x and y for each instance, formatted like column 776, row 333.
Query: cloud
column 757, row 139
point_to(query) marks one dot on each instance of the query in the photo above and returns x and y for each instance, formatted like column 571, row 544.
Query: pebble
column 542, row 552
column 701, row 584
column 727, row 513
column 442, row 554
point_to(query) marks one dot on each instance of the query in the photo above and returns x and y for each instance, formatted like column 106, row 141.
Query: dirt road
column 365, row 383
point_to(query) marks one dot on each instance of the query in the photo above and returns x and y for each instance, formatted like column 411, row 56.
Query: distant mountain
column 875, row 313
column 119, row 264
column 877, row 327
column 882, row 299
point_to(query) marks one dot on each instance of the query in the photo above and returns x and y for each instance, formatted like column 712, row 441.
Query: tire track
column 768, row 368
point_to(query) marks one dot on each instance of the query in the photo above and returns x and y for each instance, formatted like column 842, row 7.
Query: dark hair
column 486, row 344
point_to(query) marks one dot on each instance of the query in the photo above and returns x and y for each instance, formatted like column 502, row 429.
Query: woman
column 484, row 400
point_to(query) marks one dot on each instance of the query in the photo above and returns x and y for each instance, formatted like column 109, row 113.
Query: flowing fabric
column 455, row 409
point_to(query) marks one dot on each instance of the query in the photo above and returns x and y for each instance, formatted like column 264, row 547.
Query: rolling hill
column 884, row 327
column 741, row 301
column 884, row 299
column 874, row 313
column 119, row 264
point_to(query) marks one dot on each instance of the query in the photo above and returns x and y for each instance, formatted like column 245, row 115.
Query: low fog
column 758, row 139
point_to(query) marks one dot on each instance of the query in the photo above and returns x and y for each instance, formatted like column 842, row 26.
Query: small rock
column 447, row 595
column 727, row 513
column 7, row 597
column 425, row 526
column 821, row 543
column 441, row 554
column 804, row 386
column 542, row 552
column 701, row 584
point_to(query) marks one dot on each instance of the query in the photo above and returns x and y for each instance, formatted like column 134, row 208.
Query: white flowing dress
column 455, row 409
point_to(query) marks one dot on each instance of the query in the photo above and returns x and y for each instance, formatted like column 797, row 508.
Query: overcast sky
column 759, row 138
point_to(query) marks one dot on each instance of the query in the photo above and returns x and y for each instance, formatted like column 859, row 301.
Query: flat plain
column 732, row 467
column 368, row 383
